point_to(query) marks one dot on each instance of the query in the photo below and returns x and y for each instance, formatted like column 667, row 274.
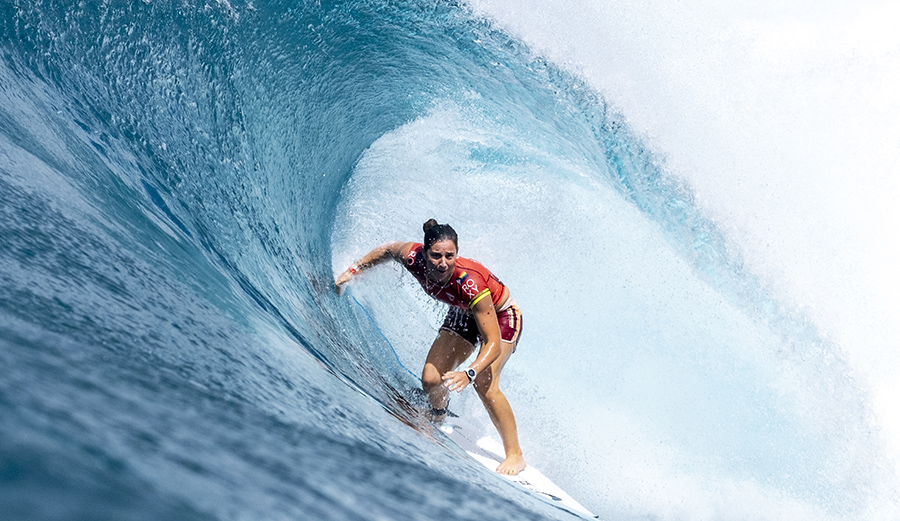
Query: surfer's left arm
column 486, row 317
column 391, row 250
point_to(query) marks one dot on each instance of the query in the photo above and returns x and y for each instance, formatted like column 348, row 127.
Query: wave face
column 178, row 185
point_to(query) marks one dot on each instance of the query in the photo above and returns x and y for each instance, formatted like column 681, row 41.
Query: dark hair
column 435, row 232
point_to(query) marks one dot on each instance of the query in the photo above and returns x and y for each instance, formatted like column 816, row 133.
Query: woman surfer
column 481, row 309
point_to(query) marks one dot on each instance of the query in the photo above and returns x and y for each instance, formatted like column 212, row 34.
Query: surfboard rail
column 487, row 451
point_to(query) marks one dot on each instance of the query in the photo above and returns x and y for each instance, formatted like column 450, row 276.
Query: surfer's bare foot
column 512, row 465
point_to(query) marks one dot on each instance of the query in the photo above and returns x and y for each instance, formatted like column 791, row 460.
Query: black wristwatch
column 470, row 373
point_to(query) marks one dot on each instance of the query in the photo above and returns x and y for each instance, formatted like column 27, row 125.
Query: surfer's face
column 441, row 259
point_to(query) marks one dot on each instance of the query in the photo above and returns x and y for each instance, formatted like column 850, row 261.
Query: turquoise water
column 178, row 186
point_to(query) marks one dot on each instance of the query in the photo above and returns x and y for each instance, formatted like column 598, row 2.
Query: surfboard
column 488, row 452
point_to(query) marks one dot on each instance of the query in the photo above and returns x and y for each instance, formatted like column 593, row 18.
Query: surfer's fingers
column 341, row 281
column 454, row 382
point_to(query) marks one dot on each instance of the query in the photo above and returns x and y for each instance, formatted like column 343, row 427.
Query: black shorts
column 463, row 323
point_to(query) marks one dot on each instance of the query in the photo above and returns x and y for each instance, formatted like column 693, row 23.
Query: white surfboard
column 487, row 451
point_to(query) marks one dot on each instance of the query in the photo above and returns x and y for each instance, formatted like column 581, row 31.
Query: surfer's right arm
column 392, row 250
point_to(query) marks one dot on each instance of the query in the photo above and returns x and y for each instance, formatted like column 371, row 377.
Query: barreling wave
column 176, row 182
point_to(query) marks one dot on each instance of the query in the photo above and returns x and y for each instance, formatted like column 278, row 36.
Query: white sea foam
column 784, row 117
column 638, row 387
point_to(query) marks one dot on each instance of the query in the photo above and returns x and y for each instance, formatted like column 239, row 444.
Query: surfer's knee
column 431, row 377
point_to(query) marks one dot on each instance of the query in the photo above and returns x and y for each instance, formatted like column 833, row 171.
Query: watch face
column 470, row 373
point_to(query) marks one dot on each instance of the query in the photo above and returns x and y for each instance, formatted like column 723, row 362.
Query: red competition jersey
column 470, row 282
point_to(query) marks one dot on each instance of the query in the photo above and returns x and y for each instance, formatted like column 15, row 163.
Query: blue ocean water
column 178, row 185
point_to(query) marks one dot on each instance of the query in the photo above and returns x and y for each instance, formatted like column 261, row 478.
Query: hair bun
column 430, row 223
column 435, row 232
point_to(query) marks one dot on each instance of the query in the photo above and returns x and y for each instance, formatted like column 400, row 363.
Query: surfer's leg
column 447, row 352
column 487, row 384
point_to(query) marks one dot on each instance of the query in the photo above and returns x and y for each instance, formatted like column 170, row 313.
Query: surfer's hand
column 342, row 279
column 455, row 380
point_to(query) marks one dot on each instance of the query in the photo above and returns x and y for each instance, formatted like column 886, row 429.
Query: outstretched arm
column 391, row 250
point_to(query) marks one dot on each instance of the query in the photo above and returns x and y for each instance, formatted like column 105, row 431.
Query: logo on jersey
column 469, row 286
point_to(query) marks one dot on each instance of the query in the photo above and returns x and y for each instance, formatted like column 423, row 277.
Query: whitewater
column 691, row 203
